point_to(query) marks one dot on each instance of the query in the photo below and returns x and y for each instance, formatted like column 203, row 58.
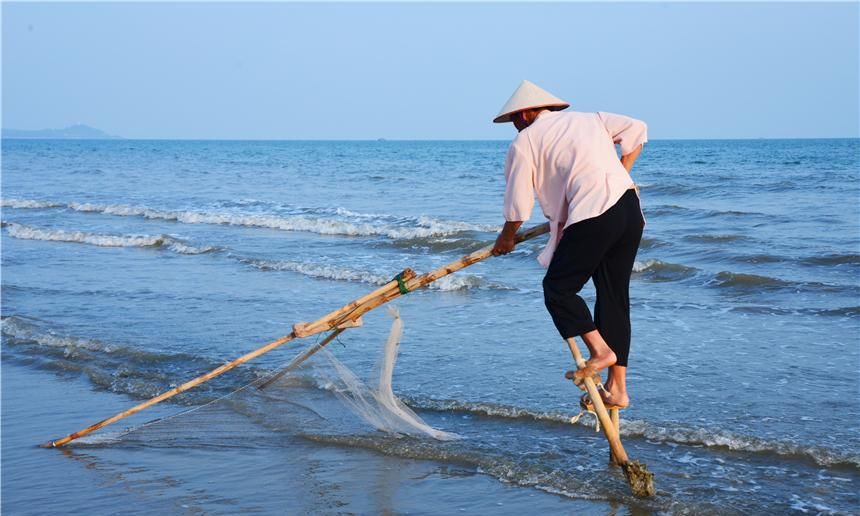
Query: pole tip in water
column 49, row 444
column 640, row 479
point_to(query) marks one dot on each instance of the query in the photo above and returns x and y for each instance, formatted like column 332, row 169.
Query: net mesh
column 330, row 400
column 377, row 405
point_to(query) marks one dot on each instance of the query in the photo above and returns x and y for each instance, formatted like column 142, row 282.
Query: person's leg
column 575, row 260
column 600, row 353
column 612, row 307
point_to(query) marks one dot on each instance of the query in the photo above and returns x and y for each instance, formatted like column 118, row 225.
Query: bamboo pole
column 217, row 371
column 641, row 480
column 368, row 303
column 172, row 392
column 340, row 317
column 616, row 422
column 469, row 259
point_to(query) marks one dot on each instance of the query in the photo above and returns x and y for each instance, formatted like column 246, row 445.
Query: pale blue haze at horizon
column 425, row 71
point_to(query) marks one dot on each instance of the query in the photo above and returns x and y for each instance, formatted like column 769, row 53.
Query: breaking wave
column 110, row 366
column 718, row 438
column 315, row 270
column 335, row 272
column 660, row 432
column 25, row 232
column 443, row 244
column 117, row 367
column 338, row 221
column 28, row 204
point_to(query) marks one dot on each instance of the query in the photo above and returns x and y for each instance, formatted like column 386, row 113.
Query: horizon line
column 115, row 138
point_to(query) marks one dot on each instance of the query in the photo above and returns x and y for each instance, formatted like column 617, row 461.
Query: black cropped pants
column 602, row 248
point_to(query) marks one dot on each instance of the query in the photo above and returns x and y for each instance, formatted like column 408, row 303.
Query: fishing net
column 329, row 399
column 377, row 405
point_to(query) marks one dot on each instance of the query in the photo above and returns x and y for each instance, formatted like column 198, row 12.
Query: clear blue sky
column 434, row 71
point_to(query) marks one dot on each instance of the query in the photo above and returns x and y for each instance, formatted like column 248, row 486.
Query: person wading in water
column 569, row 159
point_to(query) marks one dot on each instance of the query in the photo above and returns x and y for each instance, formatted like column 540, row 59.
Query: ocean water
column 130, row 266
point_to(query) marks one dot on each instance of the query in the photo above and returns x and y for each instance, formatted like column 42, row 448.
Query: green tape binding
column 401, row 285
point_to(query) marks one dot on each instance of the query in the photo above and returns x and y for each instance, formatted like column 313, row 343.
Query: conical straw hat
column 528, row 95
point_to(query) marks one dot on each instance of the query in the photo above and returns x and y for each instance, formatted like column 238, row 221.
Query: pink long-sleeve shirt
column 569, row 159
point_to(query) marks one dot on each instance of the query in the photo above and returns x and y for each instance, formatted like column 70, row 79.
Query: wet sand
column 288, row 477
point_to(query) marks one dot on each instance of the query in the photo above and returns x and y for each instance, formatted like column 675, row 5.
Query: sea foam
column 25, row 232
column 306, row 220
column 28, row 204
column 340, row 273
column 652, row 431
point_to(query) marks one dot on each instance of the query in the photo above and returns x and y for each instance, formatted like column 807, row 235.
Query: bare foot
column 602, row 360
column 620, row 400
column 610, row 400
column 615, row 388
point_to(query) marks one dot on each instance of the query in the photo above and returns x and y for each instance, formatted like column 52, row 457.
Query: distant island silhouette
column 72, row 132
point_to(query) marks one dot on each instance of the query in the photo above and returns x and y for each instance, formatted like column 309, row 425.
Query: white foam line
column 24, row 232
column 334, row 272
column 14, row 327
column 28, row 204
column 711, row 438
column 423, row 227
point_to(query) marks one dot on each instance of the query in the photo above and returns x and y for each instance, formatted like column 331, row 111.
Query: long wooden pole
column 344, row 315
column 469, row 259
column 172, row 392
column 410, row 284
column 215, row 372
column 367, row 303
column 341, row 317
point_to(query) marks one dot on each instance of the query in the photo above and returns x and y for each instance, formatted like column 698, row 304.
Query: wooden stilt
column 609, row 430
column 640, row 480
column 340, row 318
column 616, row 422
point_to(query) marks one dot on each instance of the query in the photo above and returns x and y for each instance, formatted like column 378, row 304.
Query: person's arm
column 505, row 241
column 628, row 159
column 519, row 194
column 628, row 133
